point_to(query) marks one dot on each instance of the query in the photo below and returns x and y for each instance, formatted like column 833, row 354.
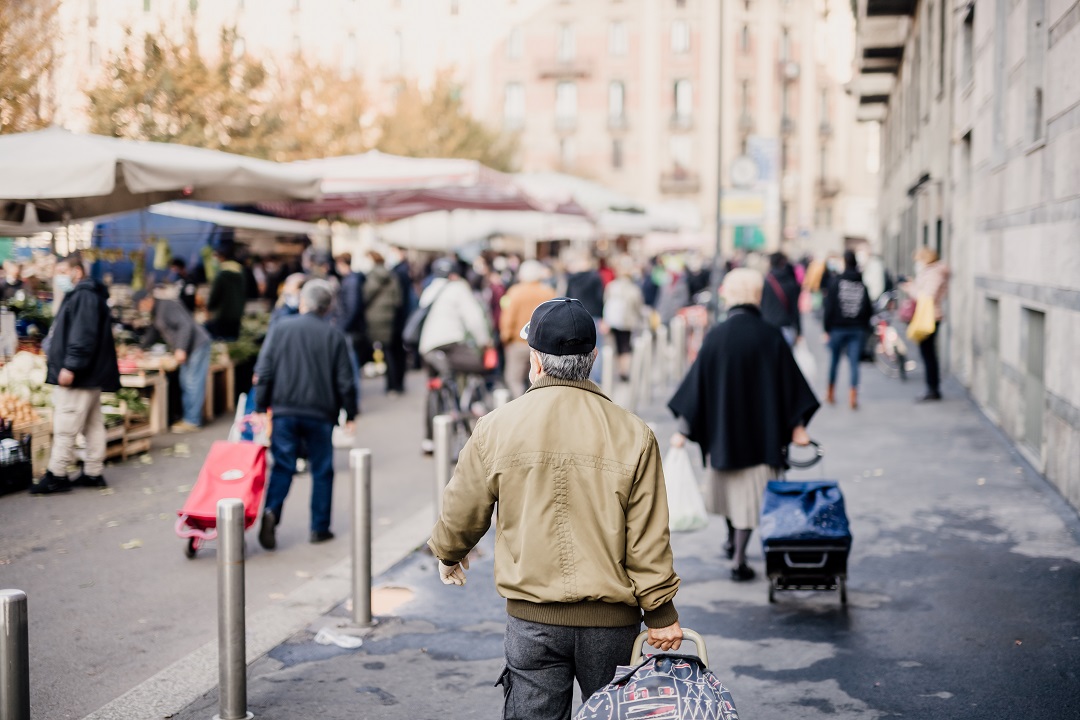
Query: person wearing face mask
column 288, row 302
column 81, row 364
column 13, row 282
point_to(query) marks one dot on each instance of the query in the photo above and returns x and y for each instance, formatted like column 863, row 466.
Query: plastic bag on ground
column 686, row 508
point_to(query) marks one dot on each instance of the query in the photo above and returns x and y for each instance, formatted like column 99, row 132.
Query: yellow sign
column 743, row 207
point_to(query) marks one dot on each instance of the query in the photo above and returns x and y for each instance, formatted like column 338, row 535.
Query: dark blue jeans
column 285, row 440
column 849, row 341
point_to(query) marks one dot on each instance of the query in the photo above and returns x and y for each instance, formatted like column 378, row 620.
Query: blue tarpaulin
column 139, row 230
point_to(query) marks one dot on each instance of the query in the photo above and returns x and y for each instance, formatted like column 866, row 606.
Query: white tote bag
column 686, row 508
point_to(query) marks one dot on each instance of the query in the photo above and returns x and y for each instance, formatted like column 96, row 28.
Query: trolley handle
column 819, row 452
column 699, row 643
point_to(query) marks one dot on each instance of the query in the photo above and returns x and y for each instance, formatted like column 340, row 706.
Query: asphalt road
column 104, row 618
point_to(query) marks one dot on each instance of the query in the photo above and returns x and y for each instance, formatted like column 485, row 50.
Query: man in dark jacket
column 780, row 298
column 228, row 296
column 306, row 376
column 585, row 285
column 190, row 345
column 185, row 287
column 82, row 364
column 396, row 357
column 847, row 320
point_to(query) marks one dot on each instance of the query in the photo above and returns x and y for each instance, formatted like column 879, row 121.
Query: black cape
column 744, row 394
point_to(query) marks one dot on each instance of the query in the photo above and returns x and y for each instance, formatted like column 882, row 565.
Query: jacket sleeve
column 344, row 378
column 467, row 504
column 82, row 337
column 829, row 307
column 264, row 370
column 649, row 562
column 506, row 320
column 215, row 299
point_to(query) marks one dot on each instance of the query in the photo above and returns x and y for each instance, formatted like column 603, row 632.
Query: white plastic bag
column 805, row 360
column 686, row 508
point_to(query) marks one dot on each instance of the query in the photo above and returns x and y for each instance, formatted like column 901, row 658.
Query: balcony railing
column 682, row 122
column 680, row 182
column 572, row 69
column 829, row 187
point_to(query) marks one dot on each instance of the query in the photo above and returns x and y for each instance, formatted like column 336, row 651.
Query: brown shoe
column 854, row 399
column 830, row 396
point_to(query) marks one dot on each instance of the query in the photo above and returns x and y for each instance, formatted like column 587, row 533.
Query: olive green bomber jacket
column 582, row 528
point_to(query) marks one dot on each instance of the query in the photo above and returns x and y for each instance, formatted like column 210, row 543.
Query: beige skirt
column 736, row 494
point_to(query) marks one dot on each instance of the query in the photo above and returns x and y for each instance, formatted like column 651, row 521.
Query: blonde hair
column 926, row 254
column 742, row 286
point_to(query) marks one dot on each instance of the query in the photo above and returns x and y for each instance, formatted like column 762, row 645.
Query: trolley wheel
column 841, row 583
column 772, row 592
column 191, row 548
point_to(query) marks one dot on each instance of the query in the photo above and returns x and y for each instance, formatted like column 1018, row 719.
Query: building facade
column 626, row 92
column 980, row 109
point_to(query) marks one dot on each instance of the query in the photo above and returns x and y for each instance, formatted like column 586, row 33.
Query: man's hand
column 453, row 574
column 65, row 378
column 181, row 356
column 800, row 437
column 668, row 638
column 678, row 440
column 825, row 338
column 350, row 427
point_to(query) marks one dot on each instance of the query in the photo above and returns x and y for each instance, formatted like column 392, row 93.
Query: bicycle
column 464, row 396
column 890, row 350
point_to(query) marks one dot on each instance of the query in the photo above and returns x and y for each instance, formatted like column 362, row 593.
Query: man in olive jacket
column 582, row 550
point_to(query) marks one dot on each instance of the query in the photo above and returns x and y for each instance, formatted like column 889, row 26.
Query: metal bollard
column 607, row 369
column 360, row 462
column 14, row 656
column 678, row 348
column 663, row 357
column 443, row 425
column 500, row 396
column 232, row 622
column 647, row 367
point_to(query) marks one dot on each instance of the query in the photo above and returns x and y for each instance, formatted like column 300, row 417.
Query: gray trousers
column 542, row 662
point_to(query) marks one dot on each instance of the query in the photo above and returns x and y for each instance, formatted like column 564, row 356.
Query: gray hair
column 575, row 368
column 317, row 296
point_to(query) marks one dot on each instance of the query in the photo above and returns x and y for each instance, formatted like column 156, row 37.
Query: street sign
column 743, row 207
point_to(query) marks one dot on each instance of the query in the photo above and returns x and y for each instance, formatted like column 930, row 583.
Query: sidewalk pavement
column 964, row 579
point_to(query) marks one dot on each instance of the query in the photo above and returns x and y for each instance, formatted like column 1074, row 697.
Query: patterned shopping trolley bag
column 663, row 687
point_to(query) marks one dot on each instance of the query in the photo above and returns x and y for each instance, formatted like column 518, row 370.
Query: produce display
column 24, row 379
column 133, row 359
column 17, row 410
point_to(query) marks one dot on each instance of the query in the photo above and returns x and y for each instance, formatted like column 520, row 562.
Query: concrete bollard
column 232, row 622
column 442, row 426
column 360, row 462
column 500, row 396
column 14, row 656
column 607, row 369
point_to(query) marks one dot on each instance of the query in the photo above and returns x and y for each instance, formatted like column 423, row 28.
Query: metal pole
column 232, row 645
column 663, row 356
column 607, row 369
column 717, row 265
column 360, row 462
column 442, row 425
column 678, row 348
column 14, row 656
column 500, row 396
column 647, row 366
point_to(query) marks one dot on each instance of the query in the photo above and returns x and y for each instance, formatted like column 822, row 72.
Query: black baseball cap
column 561, row 327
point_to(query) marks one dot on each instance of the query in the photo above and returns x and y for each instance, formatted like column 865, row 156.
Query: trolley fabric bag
column 669, row 687
column 810, row 510
column 231, row 470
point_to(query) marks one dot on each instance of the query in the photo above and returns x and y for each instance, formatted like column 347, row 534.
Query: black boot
column 90, row 481
column 49, row 484
column 267, row 534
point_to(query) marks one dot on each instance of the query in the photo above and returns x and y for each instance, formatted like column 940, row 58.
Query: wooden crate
column 40, row 433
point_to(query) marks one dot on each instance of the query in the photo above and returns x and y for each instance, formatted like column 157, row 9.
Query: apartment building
column 626, row 92
column 980, row 113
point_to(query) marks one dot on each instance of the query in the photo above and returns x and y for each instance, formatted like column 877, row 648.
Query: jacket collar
column 587, row 385
column 745, row 309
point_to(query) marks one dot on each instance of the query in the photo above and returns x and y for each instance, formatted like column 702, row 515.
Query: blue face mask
column 63, row 283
